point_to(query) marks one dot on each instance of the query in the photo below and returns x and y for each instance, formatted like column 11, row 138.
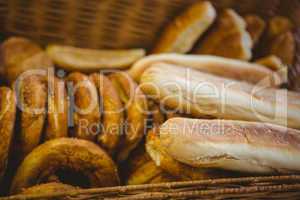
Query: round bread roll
column 19, row 55
column 68, row 154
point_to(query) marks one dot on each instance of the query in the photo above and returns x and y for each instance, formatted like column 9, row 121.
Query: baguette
column 229, row 68
column 232, row 145
column 173, row 167
column 200, row 94
column 181, row 35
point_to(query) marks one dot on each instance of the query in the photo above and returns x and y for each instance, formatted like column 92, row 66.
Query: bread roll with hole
column 229, row 68
column 200, row 94
column 232, row 145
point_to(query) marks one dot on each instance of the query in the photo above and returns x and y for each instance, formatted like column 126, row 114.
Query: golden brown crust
column 69, row 154
column 284, row 47
column 243, row 101
column 179, row 170
column 135, row 103
column 278, row 25
column 232, row 145
column 229, row 38
column 163, row 178
column 7, row 120
column 47, row 188
column 112, row 113
column 57, row 117
column 156, row 112
column 272, row 62
column 181, row 34
column 20, row 54
column 255, row 26
column 32, row 97
column 86, row 107
column 140, row 169
column 89, row 60
column 225, row 67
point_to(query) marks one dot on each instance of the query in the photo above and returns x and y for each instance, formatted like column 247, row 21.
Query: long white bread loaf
column 232, row 145
column 199, row 94
column 225, row 67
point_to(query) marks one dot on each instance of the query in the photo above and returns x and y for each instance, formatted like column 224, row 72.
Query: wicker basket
column 137, row 23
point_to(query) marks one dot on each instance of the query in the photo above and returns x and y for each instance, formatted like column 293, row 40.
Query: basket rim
column 282, row 183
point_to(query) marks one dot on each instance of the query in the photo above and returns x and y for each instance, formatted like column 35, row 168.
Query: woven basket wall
column 137, row 23
column 119, row 23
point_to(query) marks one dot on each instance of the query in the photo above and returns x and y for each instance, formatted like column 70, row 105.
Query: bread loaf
column 229, row 68
column 232, row 145
column 200, row 94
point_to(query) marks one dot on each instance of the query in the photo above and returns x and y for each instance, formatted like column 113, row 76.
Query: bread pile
column 72, row 117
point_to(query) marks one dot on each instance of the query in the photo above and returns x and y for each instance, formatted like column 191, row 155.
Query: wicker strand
column 167, row 186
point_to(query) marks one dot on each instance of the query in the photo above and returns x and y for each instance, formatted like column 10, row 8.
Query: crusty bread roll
column 173, row 167
column 89, row 60
column 255, row 26
column 229, row 68
column 278, row 25
column 199, row 94
column 284, row 47
column 18, row 55
column 181, row 34
column 274, row 63
column 232, row 145
column 228, row 38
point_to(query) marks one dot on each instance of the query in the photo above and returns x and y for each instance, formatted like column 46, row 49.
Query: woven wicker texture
column 273, row 187
column 137, row 23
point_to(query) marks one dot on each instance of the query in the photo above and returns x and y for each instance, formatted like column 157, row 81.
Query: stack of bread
column 208, row 101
